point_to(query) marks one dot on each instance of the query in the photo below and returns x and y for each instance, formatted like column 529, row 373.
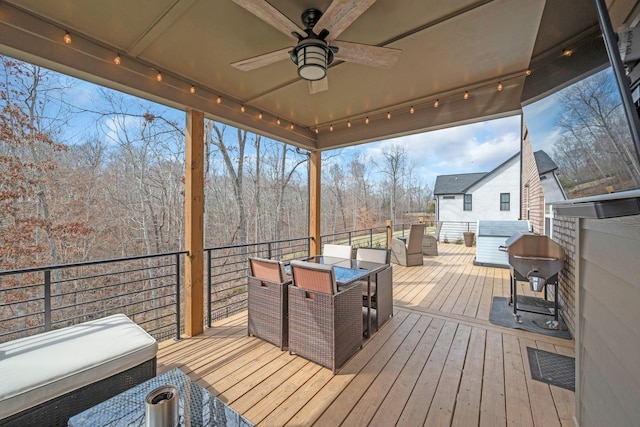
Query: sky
column 477, row 147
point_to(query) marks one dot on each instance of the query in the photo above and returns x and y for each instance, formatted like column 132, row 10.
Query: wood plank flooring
column 437, row 362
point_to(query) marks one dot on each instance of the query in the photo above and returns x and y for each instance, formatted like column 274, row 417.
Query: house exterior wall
column 485, row 198
column 532, row 195
column 608, row 338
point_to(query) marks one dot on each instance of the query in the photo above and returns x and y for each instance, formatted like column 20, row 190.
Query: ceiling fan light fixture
column 312, row 58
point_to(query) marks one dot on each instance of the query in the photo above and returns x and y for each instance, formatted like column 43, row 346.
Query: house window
column 505, row 201
column 467, row 202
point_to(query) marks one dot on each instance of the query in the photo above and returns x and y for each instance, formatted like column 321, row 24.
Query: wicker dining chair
column 381, row 284
column 325, row 325
column 267, row 301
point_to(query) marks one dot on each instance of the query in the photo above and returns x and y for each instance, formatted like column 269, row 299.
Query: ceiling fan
column 316, row 45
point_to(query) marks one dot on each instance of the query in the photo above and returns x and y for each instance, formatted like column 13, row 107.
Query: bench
column 49, row 377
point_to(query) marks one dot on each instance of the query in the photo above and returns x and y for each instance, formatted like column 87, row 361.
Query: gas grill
column 537, row 259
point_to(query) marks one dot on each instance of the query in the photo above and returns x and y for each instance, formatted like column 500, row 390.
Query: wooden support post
column 389, row 233
column 194, row 223
column 315, row 175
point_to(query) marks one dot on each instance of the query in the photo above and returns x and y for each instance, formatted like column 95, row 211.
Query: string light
column 331, row 128
column 499, row 86
column 278, row 122
column 412, row 110
column 436, row 104
column 527, row 73
column 219, row 100
column 117, row 60
column 67, row 38
column 366, row 121
column 159, row 76
column 242, row 108
column 348, row 124
column 466, row 94
column 260, row 115
column 567, row 52
column 192, row 89
column 291, row 127
column 317, row 131
column 388, row 115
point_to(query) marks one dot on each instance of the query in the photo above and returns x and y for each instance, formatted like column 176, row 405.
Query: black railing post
column 47, row 300
column 177, row 297
column 269, row 250
column 208, row 289
column 371, row 237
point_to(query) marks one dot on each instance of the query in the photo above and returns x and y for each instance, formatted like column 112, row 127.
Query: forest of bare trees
column 595, row 148
column 102, row 177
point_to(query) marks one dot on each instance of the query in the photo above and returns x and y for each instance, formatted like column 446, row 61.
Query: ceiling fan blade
column 318, row 85
column 365, row 54
column 339, row 15
column 262, row 60
column 269, row 14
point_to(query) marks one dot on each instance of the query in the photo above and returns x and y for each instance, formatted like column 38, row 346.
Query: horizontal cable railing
column 227, row 270
column 375, row 237
column 146, row 288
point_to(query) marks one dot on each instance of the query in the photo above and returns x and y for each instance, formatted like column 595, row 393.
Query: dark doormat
column 552, row 368
column 502, row 315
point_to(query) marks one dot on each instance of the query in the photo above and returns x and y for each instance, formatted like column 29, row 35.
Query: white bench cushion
column 41, row 367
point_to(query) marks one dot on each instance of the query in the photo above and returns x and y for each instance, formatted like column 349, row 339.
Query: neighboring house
column 540, row 187
column 467, row 198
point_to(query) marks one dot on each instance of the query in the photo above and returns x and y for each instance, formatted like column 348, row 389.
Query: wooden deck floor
column 437, row 362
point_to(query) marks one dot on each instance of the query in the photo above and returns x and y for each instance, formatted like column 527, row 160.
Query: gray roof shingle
column 456, row 184
column 544, row 162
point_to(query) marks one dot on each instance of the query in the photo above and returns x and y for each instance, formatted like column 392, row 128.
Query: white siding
column 608, row 345
column 486, row 197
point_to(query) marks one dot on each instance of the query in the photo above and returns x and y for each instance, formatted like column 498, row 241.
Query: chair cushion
column 372, row 255
column 314, row 277
column 41, row 367
column 338, row 251
column 267, row 269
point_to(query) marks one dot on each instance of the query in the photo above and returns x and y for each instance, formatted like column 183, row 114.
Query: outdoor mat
column 552, row 368
column 502, row 315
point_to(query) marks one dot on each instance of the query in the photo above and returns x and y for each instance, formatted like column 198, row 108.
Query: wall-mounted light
column 67, row 38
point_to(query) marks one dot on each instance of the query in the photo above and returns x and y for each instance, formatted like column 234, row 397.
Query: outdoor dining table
column 348, row 271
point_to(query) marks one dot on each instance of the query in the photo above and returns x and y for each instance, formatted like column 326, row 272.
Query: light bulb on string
column 348, row 124
column 466, row 94
column 436, row 104
column 366, row 121
column 192, row 89
column 159, row 76
column 331, row 128
column 242, row 108
column 67, row 38
column 500, row 87
column 117, row 60
column 388, row 115
column 260, row 115
column 219, row 100
column 412, row 110
column 278, row 122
